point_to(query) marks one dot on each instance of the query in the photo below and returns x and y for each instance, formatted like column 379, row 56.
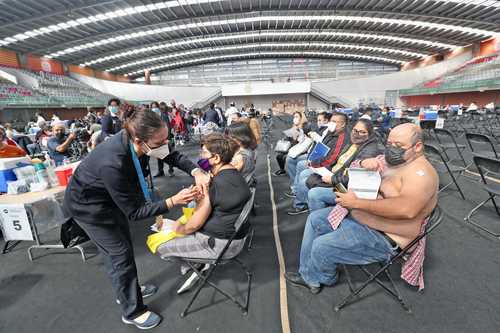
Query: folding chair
column 487, row 167
column 442, row 166
column 448, row 142
column 484, row 140
column 220, row 260
column 435, row 219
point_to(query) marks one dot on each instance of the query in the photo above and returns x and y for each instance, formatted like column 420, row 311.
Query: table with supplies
column 27, row 216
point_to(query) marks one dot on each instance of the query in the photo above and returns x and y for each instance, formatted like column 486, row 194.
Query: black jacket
column 110, row 125
column 332, row 140
column 211, row 116
column 106, row 184
column 366, row 150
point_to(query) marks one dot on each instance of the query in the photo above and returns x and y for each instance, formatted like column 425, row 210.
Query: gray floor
column 59, row 293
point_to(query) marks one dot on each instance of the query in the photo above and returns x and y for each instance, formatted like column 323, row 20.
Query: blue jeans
column 301, row 166
column 323, row 248
column 291, row 166
column 320, row 197
column 300, row 200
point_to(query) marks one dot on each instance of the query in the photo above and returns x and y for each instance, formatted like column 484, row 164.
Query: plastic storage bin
column 63, row 174
column 7, row 166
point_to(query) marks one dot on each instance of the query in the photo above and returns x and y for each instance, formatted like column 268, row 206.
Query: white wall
column 266, row 88
column 372, row 89
column 261, row 102
column 141, row 92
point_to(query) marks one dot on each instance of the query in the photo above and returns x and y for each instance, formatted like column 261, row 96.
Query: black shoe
column 298, row 211
column 279, row 173
column 289, row 194
column 297, row 280
column 159, row 174
column 171, row 173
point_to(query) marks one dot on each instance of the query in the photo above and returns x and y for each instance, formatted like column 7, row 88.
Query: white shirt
column 40, row 121
column 230, row 111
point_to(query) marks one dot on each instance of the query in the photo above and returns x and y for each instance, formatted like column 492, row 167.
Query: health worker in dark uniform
column 108, row 190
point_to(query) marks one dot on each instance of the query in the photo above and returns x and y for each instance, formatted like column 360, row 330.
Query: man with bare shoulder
column 375, row 229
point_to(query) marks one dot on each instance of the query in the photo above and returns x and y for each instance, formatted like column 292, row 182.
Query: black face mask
column 60, row 136
column 358, row 139
column 394, row 155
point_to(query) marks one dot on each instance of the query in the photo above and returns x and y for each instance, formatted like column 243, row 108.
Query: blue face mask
column 155, row 110
column 204, row 164
column 113, row 109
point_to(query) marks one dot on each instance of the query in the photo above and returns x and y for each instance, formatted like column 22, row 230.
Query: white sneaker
column 191, row 281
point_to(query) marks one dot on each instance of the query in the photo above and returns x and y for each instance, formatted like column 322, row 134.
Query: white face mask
column 159, row 152
column 332, row 127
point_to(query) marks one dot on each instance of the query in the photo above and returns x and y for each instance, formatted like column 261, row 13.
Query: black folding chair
column 489, row 169
column 442, row 166
column 220, row 260
column 447, row 142
column 483, row 140
column 435, row 219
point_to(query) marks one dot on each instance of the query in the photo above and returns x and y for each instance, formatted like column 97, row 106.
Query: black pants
column 160, row 162
column 115, row 245
column 281, row 158
column 160, row 167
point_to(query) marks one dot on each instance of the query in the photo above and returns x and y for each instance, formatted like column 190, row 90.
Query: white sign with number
column 439, row 123
column 15, row 224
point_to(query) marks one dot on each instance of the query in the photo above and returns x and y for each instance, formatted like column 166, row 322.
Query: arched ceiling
column 130, row 36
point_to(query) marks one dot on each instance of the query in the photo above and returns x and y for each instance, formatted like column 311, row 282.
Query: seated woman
column 295, row 134
column 315, row 192
column 217, row 208
column 244, row 159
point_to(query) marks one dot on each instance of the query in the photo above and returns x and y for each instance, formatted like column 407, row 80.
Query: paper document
column 167, row 226
column 315, row 136
column 322, row 171
column 364, row 183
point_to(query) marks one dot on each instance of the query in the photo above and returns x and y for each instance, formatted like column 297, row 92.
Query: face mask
column 394, row 155
column 357, row 138
column 321, row 125
column 113, row 109
column 60, row 136
column 296, row 121
column 332, row 127
column 159, row 152
column 155, row 110
column 204, row 164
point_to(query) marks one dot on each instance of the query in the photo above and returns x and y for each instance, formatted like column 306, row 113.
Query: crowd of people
column 342, row 228
column 105, row 194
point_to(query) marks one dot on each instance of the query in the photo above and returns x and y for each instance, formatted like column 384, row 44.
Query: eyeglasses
column 362, row 132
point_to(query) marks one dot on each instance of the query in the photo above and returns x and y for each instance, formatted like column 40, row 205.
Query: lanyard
column 140, row 175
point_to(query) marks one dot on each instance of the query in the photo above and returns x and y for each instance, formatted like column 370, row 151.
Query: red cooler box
column 65, row 172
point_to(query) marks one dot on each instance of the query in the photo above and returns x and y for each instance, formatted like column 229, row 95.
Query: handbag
column 72, row 234
column 300, row 148
column 282, row 146
column 315, row 180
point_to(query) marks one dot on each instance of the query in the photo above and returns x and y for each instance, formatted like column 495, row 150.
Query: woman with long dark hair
column 244, row 158
column 297, row 135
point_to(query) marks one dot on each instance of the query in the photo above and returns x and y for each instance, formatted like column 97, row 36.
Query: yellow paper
column 187, row 212
column 155, row 240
